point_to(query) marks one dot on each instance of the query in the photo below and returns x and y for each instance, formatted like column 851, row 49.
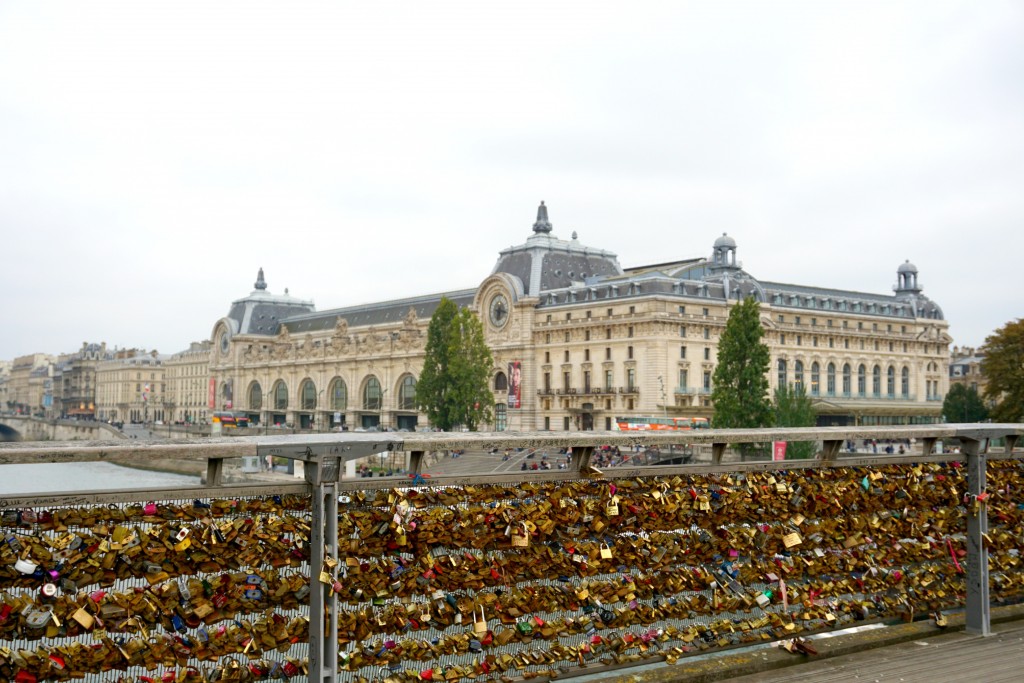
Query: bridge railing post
column 977, row 617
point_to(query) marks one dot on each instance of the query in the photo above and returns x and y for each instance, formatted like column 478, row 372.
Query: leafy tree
column 740, row 389
column 1003, row 367
column 454, row 387
column 793, row 408
column 963, row 404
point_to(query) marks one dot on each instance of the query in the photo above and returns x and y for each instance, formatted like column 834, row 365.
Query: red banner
column 211, row 401
column 515, row 384
column 778, row 450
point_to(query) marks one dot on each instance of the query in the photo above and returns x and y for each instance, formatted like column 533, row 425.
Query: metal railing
column 458, row 575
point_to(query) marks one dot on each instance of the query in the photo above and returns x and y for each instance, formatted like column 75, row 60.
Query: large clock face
column 225, row 343
column 498, row 310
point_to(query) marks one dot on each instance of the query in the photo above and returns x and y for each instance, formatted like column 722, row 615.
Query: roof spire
column 543, row 225
column 261, row 284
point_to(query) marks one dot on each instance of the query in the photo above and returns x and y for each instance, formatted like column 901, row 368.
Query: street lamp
column 664, row 399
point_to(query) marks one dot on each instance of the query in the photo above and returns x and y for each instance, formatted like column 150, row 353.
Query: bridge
column 24, row 428
column 543, row 574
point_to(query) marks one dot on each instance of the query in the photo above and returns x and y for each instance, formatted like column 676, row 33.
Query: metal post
column 977, row 619
column 323, row 642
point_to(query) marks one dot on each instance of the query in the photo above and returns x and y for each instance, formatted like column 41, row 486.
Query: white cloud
column 153, row 156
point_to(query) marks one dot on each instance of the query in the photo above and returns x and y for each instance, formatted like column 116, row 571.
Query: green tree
column 963, row 404
column 793, row 408
column 1003, row 367
column 740, row 389
column 454, row 387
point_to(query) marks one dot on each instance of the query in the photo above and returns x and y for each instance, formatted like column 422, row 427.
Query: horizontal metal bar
column 295, row 446
column 108, row 496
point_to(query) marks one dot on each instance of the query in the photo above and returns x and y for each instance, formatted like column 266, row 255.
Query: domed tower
column 906, row 279
column 723, row 254
column 545, row 262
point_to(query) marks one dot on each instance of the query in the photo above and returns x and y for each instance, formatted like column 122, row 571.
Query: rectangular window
column 632, row 310
column 814, row 322
column 888, row 328
column 565, row 423
column 707, row 381
column 707, row 333
column 549, row 317
column 684, row 379
column 608, row 380
column 828, row 323
column 782, row 339
column 568, row 316
column 547, row 356
column 566, row 357
column 567, row 336
column 608, row 353
column 845, row 324
column 566, row 381
column 586, row 381
column 631, row 379
column 682, row 330
column 547, row 382
column 547, row 423
column 608, row 333
column 831, row 343
column 707, row 353
column 782, row 318
column 610, row 312
column 607, row 424
column 629, row 331
column 547, row 338
column 629, row 352
column 798, row 320
column 682, row 310
column 586, row 354
column 588, row 315
column 586, row 335
column 846, row 343
column 860, row 325
column 682, row 352
column 705, row 312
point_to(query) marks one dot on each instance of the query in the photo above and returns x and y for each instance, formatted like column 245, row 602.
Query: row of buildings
column 577, row 339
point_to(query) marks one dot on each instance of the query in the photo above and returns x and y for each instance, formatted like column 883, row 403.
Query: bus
column 672, row 424
column 229, row 420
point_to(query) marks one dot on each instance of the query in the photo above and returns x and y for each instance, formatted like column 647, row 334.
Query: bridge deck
column 904, row 653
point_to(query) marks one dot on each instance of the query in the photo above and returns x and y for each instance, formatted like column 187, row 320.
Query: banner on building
column 211, row 399
column 515, row 384
column 778, row 450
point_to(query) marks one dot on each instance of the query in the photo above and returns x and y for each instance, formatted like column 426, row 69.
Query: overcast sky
column 153, row 156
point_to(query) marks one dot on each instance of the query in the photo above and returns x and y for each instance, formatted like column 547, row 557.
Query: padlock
column 26, row 566
column 149, row 508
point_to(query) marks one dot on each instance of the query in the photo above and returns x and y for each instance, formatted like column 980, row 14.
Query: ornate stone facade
column 186, row 377
column 593, row 341
column 130, row 387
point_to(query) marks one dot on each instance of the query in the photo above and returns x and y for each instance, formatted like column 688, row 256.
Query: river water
column 83, row 476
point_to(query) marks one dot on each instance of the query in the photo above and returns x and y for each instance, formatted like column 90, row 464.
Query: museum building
column 591, row 341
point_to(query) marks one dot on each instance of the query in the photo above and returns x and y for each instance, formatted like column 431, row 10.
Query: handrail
column 324, row 453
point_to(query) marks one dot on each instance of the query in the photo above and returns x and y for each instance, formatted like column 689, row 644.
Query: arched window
column 862, row 380
column 783, row 378
column 255, row 396
column 372, row 394
column 830, row 374
column 500, row 382
column 308, row 394
column 407, row 394
column 847, row 379
column 876, row 381
column 905, row 382
column 890, row 381
column 500, row 417
column 280, row 395
column 338, row 399
column 798, row 375
column 815, row 379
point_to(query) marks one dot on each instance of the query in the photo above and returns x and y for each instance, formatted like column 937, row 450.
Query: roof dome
column 725, row 241
column 907, row 267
